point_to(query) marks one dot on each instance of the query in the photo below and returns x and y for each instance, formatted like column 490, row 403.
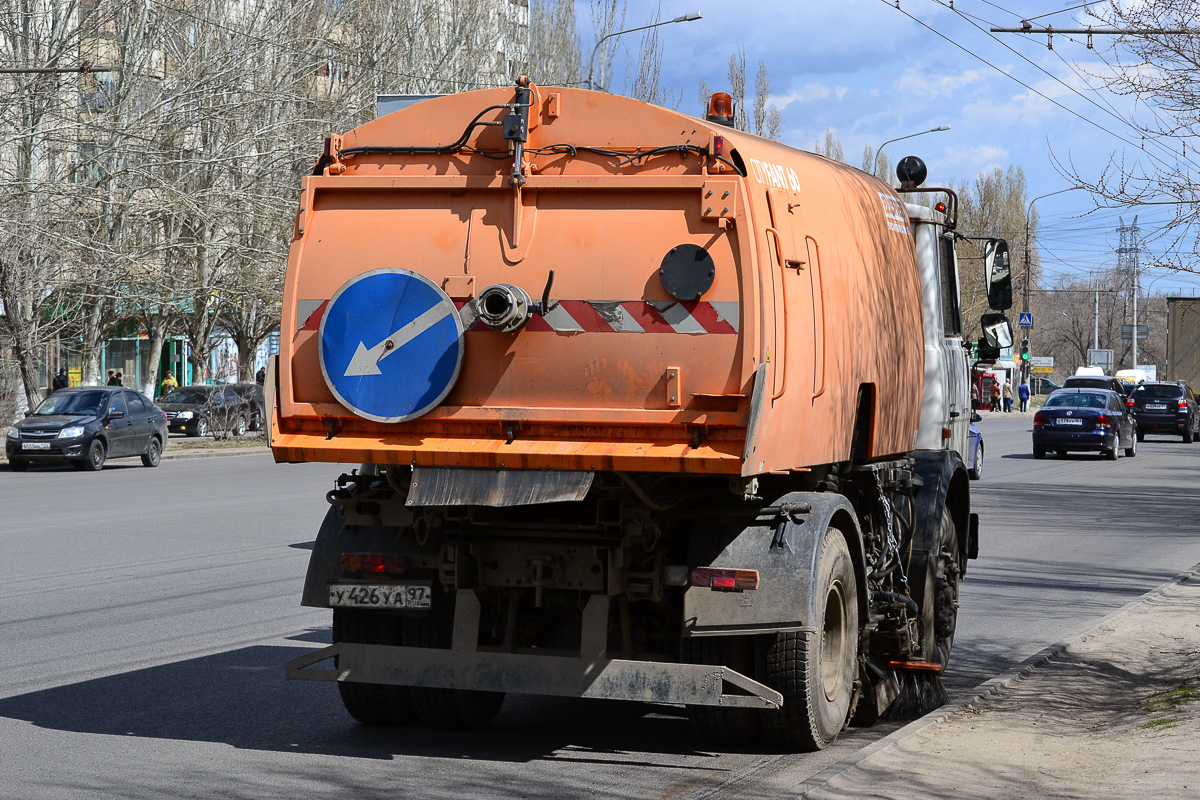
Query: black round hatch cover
column 687, row 272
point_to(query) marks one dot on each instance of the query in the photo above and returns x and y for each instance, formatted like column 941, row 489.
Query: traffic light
column 1024, row 351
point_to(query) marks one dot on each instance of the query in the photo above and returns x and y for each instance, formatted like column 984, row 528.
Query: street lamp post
column 695, row 15
column 938, row 129
column 1025, row 303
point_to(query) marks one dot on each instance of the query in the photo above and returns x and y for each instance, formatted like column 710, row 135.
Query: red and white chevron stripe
column 593, row 316
column 624, row 316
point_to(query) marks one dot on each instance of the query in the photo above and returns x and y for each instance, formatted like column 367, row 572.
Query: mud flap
column 784, row 545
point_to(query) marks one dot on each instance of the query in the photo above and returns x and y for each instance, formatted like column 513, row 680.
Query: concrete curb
column 984, row 691
column 217, row 452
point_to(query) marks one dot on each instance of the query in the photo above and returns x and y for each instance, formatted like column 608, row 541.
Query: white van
column 1134, row 376
column 1091, row 372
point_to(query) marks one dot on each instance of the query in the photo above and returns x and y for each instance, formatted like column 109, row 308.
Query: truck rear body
column 618, row 374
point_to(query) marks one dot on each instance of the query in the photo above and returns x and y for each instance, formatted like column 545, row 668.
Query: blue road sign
column 1025, row 319
column 391, row 345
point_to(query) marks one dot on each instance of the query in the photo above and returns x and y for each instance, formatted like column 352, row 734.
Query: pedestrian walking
column 61, row 381
column 112, row 378
column 1023, row 396
column 1006, row 394
column 975, row 395
column 995, row 396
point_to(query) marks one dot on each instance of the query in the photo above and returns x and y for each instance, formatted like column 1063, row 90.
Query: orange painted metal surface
column 812, row 279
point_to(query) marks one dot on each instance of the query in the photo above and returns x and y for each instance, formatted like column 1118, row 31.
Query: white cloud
column 807, row 94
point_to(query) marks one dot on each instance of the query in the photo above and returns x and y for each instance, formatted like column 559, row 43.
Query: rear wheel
column 1187, row 435
column 201, row 428
column 372, row 703
column 95, row 456
column 1141, row 437
column 1113, row 453
column 452, row 709
column 239, row 427
column 153, row 453
column 1131, row 451
column 1039, row 453
column 815, row 671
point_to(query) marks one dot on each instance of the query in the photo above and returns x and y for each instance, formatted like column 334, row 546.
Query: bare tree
column 1160, row 73
column 736, row 74
column 830, row 147
column 553, row 57
column 39, row 202
column 608, row 16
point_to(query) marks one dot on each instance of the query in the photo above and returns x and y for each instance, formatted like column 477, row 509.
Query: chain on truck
column 647, row 408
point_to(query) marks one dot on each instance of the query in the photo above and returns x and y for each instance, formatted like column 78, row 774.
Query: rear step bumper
column 613, row 679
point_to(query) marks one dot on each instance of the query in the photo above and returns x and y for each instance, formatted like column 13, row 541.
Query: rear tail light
column 729, row 580
column 1129, row 403
column 1039, row 418
column 1102, row 420
column 1183, row 402
column 372, row 564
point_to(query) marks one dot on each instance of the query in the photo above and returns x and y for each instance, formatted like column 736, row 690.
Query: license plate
column 392, row 595
column 1155, row 407
column 35, row 445
column 1068, row 421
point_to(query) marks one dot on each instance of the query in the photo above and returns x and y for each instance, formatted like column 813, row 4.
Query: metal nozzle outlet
column 504, row 307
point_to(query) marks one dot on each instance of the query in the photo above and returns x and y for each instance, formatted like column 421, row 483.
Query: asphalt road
column 147, row 615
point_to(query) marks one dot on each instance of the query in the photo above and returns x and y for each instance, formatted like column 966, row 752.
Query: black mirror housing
column 115, row 413
column 997, row 330
column 998, row 274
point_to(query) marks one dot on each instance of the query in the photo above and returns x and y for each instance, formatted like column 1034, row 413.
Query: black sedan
column 253, row 393
column 196, row 410
column 1162, row 407
column 1084, row 419
column 86, row 426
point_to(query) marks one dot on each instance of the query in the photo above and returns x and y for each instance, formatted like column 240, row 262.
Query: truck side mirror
column 997, row 330
column 997, row 274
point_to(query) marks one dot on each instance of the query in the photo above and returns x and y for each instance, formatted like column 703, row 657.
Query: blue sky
column 871, row 73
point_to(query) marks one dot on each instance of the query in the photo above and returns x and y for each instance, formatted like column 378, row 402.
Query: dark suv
column 1161, row 407
column 85, row 426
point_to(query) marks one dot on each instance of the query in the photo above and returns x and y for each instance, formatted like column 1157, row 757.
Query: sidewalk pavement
column 1112, row 714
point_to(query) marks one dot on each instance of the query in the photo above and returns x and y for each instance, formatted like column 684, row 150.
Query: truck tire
column 815, row 672
column 723, row 727
column 371, row 703
column 449, row 709
column 921, row 691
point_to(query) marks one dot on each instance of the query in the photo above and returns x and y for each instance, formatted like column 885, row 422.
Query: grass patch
column 1163, row 724
column 1171, row 701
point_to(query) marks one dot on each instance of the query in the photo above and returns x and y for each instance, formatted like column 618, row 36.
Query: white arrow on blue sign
column 391, row 345
column 1025, row 320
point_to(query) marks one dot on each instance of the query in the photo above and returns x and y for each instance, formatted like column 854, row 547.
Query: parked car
column 252, row 393
column 1161, row 407
column 1096, row 382
column 1044, row 386
column 196, row 410
column 1084, row 419
column 974, row 449
column 86, row 426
